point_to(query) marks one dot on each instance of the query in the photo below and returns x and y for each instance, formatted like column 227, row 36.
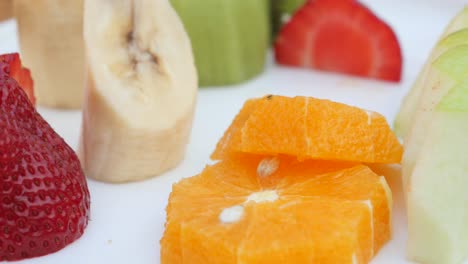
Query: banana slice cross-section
column 141, row 89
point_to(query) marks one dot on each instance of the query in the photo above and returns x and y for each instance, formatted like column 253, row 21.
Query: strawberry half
column 44, row 198
column 11, row 65
column 340, row 36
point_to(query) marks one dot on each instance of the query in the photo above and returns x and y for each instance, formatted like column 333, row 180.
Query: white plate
column 127, row 221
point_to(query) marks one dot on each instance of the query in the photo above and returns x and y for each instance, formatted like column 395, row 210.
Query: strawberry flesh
column 11, row 65
column 44, row 198
column 340, row 36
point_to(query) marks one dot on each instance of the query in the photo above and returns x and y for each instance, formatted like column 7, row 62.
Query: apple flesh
column 437, row 194
column 448, row 70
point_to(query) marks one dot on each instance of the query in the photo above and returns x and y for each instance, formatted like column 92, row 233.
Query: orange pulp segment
column 277, row 210
column 310, row 128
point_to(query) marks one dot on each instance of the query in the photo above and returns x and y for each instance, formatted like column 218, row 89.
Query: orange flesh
column 310, row 128
column 303, row 157
column 322, row 214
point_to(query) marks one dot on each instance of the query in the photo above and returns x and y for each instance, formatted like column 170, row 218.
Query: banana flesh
column 141, row 90
column 51, row 42
column 6, row 9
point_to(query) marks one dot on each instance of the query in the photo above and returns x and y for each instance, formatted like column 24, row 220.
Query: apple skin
column 452, row 37
column 445, row 72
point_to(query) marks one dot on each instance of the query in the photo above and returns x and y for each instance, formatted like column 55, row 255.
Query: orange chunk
column 254, row 209
column 310, row 128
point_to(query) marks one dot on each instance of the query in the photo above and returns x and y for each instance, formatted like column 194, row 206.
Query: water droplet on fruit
column 231, row 214
column 268, row 166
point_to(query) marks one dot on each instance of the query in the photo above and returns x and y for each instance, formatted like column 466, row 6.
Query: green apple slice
column 437, row 192
column 230, row 38
column 449, row 40
column 446, row 71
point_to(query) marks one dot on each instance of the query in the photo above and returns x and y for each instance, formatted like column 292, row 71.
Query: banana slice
column 51, row 41
column 6, row 9
column 141, row 89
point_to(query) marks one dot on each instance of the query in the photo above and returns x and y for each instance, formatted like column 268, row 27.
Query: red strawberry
column 44, row 198
column 340, row 36
column 11, row 65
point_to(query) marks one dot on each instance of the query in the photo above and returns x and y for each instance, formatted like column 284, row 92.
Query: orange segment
column 308, row 230
column 232, row 136
column 284, row 241
column 202, row 204
column 205, row 240
column 358, row 183
column 272, row 125
column 295, row 212
column 310, row 128
column 341, row 132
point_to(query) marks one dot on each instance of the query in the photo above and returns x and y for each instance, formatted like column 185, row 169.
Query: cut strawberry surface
column 10, row 64
column 340, row 36
column 44, row 198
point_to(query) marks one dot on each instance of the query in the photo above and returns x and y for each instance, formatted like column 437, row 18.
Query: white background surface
column 127, row 221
